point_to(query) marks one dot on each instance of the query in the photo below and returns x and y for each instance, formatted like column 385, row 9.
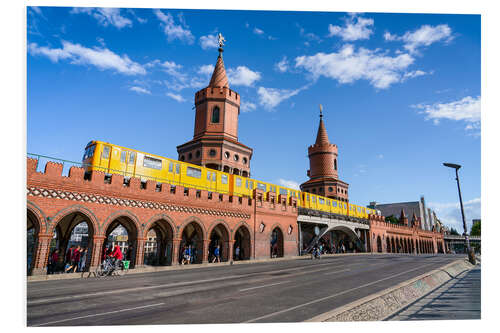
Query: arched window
column 215, row 114
column 335, row 164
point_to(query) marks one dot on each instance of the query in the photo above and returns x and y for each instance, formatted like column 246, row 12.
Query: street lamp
column 469, row 252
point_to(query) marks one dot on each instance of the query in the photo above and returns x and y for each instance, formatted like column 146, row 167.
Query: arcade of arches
column 387, row 243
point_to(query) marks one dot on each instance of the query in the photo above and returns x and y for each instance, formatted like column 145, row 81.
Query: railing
column 68, row 164
column 328, row 215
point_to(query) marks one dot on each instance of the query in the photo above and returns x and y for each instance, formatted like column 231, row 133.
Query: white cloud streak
column 449, row 213
column 349, row 65
column 209, row 42
column 102, row 58
column 289, row 183
column 140, row 90
column 282, row 65
column 248, row 107
column 176, row 97
column 421, row 37
column 174, row 31
column 242, row 76
column 105, row 16
column 271, row 97
column 355, row 28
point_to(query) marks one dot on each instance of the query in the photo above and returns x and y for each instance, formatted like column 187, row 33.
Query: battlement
column 217, row 92
column 322, row 148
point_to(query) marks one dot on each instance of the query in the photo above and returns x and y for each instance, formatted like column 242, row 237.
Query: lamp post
column 467, row 244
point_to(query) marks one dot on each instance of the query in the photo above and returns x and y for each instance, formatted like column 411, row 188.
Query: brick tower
column 215, row 141
column 323, row 170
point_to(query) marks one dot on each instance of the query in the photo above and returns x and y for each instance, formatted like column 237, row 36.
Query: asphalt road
column 283, row 291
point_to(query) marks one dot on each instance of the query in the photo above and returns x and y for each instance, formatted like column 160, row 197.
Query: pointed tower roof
column 322, row 136
column 219, row 77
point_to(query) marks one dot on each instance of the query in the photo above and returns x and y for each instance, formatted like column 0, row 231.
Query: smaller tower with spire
column 323, row 171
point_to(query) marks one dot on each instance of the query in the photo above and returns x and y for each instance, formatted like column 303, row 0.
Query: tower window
column 212, row 152
column 236, row 157
column 244, row 160
column 215, row 115
column 330, row 189
column 183, row 158
column 335, row 164
column 190, row 156
column 226, row 154
column 198, row 153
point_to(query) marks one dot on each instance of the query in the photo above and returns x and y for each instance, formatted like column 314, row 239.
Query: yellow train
column 110, row 158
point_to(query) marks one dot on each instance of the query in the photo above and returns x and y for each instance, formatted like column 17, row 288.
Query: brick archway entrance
column 162, row 255
column 127, row 244
column 242, row 240
column 219, row 236
column 33, row 230
column 276, row 249
column 192, row 235
column 379, row 245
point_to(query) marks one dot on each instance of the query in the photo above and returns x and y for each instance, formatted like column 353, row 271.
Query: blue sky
column 401, row 93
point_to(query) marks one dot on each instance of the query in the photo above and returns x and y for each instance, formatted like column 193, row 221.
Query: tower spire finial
column 221, row 41
column 321, row 111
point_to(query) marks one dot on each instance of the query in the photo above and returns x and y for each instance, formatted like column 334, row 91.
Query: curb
column 153, row 269
column 385, row 303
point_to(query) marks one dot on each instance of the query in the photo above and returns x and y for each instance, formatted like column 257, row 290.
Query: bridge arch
column 379, row 244
column 34, row 225
column 159, row 234
column 242, row 240
column 276, row 242
column 115, row 227
column 192, row 236
column 219, row 235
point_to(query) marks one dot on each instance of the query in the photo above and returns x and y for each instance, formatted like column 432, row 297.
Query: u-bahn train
column 110, row 158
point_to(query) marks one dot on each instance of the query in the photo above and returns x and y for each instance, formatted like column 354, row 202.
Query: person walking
column 53, row 262
column 83, row 260
column 237, row 253
column 216, row 254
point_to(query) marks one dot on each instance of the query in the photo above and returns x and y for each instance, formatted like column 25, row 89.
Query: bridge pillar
column 176, row 242
column 366, row 240
column 230, row 247
column 95, row 259
column 42, row 255
column 206, row 244
column 300, row 238
column 139, row 254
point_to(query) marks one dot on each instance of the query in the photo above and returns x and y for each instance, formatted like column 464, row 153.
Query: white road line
column 99, row 314
column 331, row 296
column 266, row 285
column 330, row 273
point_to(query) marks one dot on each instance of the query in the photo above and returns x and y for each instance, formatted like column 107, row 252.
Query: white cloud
column 140, row 90
column 173, row 31
column 248, row 107
column 105, row 16
column 282, row 66
column 308, row 35
column 423, row 36
column 289, row 183
column 258, row 31
column 355, row 28
column 271, row 97
column 467, row 109
column 206, row 70
column 412, row 74
column 349, row 65
column 242, row 76
column 101, row 58
column 209, row 42
column 177, row 97
column 449, row 213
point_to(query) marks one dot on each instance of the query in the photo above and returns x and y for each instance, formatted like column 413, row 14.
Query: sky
column 401, row 93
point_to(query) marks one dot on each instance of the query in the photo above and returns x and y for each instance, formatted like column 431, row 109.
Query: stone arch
column 393, row 245
column 164, row 229
column 189, row 220
column 379, row 244
column 129, row 247
column 33, row 228
column 388, row 246
column 242, row 239
column 217, row 222
column 192, row 234
column 219, row 234
column 39, row 214
column 63, row 225
column 352, row 242
column 276, row 237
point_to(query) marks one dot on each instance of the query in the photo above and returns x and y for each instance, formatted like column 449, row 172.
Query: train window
column 262, row 187
column 215, row 114
column 152, row 163
column 223, row 179
column 208, row 175
column 214, row 177
column 314, row 199
column 334, row 203
column 131, row 157
column 193, row 172
column 91, row 152
column 345, row 206
column 171, row 167
column 308, row 197
column 177, row 168
column 283, row 191
column 272, row 188
column 328, row 202
column 123, row 156
column 105, row 152
column 321, row 201
column 238, row 182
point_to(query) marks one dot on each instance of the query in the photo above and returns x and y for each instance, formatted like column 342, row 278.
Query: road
column 282, row 291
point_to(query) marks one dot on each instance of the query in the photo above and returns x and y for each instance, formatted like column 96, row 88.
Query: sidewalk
column 459, row 298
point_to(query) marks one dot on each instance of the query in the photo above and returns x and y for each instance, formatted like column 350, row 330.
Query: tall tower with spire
column 215, row 141
column 323, row 167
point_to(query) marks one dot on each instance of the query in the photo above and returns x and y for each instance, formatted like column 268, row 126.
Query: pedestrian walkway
column 459, row 298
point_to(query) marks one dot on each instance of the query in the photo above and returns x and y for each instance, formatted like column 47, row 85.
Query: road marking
column 330, row 273
column 331, row 296
column 99, row 314
column 266, row 285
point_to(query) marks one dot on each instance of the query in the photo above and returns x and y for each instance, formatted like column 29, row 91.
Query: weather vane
column 321, row 111
column 221, row 40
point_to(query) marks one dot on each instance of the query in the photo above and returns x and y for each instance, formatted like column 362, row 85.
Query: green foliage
column 453, row 231
column 392, row 219
column 476, row 229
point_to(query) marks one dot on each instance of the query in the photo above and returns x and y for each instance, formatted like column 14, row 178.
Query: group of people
column 188, row 254
column 74, row 260
column 113, row 252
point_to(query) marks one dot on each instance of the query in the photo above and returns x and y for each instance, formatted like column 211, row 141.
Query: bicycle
column 108, row 267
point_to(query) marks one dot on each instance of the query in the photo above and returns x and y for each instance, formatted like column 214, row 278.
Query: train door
column 114, row 160
column 130, row 158
column 104, row 158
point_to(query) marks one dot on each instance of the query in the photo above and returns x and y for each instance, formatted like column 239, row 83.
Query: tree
column 476, row 229
column 392, row 219
column 453, row 231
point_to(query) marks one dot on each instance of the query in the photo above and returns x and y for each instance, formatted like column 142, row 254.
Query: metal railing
column 68, row 164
